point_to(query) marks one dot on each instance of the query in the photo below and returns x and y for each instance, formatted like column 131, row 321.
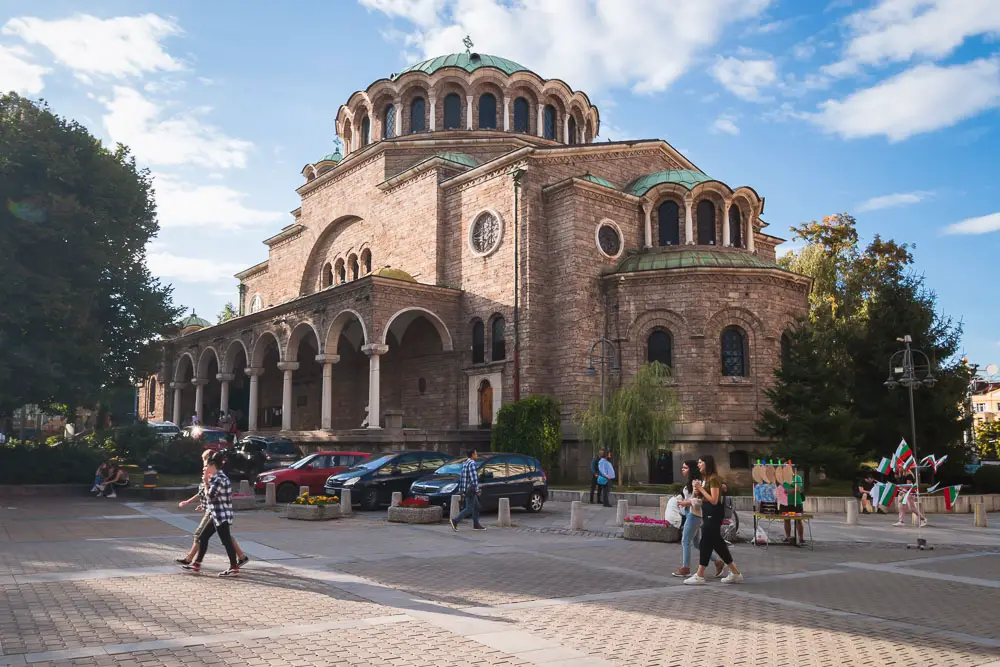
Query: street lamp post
column 912, row 369
column 607, row 357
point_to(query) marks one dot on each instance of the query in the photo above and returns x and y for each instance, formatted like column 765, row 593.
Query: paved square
column 91, row 582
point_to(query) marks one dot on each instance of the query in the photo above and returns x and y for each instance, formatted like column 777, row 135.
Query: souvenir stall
column 777, row 497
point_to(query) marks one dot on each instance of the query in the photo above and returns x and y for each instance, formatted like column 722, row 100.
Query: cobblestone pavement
column 91, row 582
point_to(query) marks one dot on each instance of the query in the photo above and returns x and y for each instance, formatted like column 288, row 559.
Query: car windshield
column 283, row 448
column 166, row 429
column 455, row 467
column 302, row 462
column 374, row 464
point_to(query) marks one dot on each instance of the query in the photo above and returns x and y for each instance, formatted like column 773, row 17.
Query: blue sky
column 883, row 108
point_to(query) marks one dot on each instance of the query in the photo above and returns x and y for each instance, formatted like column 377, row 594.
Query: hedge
column 530, row 426
column 65, row 463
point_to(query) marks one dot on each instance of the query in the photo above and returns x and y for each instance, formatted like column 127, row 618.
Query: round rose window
column 484, row 236
column 609, row 240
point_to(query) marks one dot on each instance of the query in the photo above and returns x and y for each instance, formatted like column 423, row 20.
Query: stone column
column 468, row 112
column 177, row 387
column 287, row 367
column 725, row 224
column 225, row 379
column 254, row 375
column 374, row 352
column 326, row 414
column 399, row 116
column 565, row 136
column 688, row 222
column 199, row 398
column 541, row 120
column 431, row 122
column 647, row 210
column 749, row 234
column 506, row 114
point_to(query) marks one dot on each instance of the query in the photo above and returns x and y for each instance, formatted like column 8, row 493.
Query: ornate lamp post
column 912, row 369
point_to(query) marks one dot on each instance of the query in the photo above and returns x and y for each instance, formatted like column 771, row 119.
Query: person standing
column 468, row 484
column 794, row 504
column 910, row 505
column 219, row 494
column 692, row 522
column 594, row 474
column 194, row 419
column 712, row 509
column 606, row 471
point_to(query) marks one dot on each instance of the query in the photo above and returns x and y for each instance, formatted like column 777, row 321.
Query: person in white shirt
column 607, row 471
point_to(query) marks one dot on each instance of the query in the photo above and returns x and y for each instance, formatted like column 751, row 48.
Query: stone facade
column 390, row 299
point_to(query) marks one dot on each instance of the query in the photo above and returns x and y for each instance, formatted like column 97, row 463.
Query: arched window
column 366, row 261
column 341, row 272
column 660, row 347
column 418, row 113
column 734, row 353
column 452, row 111
column 550, row 122
column 499, row 342
column 355, row 268
column 487, row 112
column 366, row 131
column 706, row 222
column 256, row 303
column 521, row 115
column 735, row 227
column 668, row 225
column 786, row 347
column 389, row 122
column 478, row 342
column 327, row 275
column 571, row 139
column 151, row 394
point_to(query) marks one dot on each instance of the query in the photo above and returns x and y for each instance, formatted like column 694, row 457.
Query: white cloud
column 211, row 207
column 170, row 267
column 982, row 225
column 895, row 200
column 745, row 78
column 921, row 99
column 725, row 125
column 899, row 30
column 134, row 120
column 117, row 47
column 18, row 73
column 646, row 44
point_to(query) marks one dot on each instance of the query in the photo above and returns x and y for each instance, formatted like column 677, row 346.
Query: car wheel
column 370, row 499
column 535, row 502
column 287, row 492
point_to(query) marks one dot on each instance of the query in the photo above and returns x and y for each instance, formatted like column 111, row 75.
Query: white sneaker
column 923, row 523
column 733, row 578
column 899, row 524
column 695, row 580
column 112, row 495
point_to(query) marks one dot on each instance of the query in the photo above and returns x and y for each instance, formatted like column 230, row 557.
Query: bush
column 987, row 480
column 530, row 426
column 180, row 456
column 135, row 442
column 65, row 463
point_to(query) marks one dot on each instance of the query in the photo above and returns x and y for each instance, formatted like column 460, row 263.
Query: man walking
column 594, row 473
column 468, row 484
column 607, row 471
column 219, row 495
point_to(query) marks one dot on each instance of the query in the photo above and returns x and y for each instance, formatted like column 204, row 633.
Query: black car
column 515, row 476
column 263, row 452
column 373, row 482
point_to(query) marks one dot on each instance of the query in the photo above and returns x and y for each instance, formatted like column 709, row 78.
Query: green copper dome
column 692, row 257
column 193, row 320
column 467, row 61
column 597, row 179
column 333, row 157
column 685, row 177
column 460, row 158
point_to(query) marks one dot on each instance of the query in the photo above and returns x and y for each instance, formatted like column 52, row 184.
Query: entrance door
column 661, row 467
column 485, row 403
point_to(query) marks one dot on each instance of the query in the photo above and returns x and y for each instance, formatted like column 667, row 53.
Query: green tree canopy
column 988, row 439
column 227, row 313
column 78, row 306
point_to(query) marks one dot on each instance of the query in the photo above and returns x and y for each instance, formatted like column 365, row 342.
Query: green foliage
column 135, row 442
column 987, row 479
column 179, row 456
column 43, row 464
column 640, row 416
column 227, row 313
column 987, row 439
column 79, row 304
column 530, row 426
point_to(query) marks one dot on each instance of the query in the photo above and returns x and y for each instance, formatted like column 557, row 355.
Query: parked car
column 501, row 475
column 210, row 438
column 166, row 430
column 311, row 471
column 373, row 482
column 267, row 452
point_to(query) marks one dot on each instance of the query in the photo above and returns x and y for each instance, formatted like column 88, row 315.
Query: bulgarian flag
column 903, row 456
column 884, row 466
column 929, row 460
column 938, row 462
column 907, row 489
column 888, row 493
column 950, row 496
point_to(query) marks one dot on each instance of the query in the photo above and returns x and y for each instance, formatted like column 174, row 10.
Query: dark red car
column 209, row 437
column 311, row 471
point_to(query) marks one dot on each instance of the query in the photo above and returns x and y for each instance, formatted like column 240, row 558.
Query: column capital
column 199, row 382
column 253, row 371
column 225, row 377
column 375, row 349
column 327, row 358
column 288, row 365
column 178, row 385
column 647, row 206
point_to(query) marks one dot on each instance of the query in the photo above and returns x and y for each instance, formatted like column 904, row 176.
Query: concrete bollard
column 852, row 511
column 269, row 497
column 503, row 513
column 456, row 507
column 576, row 515
column 980, row 512
column 622, row 513
column 345, row 502
column 397, row 499
column 663, row 508
column 245, row 487
column 914, row 520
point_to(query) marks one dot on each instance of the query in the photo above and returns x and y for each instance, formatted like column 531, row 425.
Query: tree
column 531, row 426
column 639, row 416
column 988, row 439
column 79, row 306
column 228, row 312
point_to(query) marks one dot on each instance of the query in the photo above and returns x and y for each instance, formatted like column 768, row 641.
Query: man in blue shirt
column 468, row 484
column 607, row 471
column 594, row 473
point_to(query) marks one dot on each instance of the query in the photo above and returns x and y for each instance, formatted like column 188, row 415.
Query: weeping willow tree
column 640, row 416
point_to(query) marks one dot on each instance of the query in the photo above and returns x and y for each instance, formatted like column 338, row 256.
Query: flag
column 928, row 461
column 950, row 496
column 884, row 466
column 907, row 490
column 933, row 488
column 904, row 457
column 887, row 494
column 876, row 493
column 938, row 462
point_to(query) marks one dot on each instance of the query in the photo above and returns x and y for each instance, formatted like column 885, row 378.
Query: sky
column 886, row 109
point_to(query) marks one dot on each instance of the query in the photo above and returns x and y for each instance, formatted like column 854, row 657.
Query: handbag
column 602, row 480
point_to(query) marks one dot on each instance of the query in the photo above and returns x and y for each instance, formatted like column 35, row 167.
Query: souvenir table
column 772, row 482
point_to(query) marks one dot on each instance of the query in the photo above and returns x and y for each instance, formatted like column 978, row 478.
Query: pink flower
column 638, row 518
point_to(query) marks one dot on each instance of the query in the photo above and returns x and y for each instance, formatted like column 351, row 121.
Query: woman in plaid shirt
column 206, row 518
column 219, row 498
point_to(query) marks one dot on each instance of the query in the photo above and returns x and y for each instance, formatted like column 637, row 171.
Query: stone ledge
column 430, row 514
column 312, row 512
column 651, row 532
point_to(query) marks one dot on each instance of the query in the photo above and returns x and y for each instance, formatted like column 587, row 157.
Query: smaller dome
column 460, row 158
column 690, row 258
column 598, row 180
column 395, row 274
column 333, row 157
column 193, row 323
column 687, row 178
column 467, row 61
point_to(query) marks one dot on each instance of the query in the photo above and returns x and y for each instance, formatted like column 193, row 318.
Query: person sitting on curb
column 116, row 477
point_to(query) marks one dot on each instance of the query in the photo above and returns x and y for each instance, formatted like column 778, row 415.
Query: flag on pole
column 928, row 460
column 907, row 489
column 950, row 496
column 888, row 492
column 938, row 462
column 904, row 457
column 884, row 466
column 933, row 488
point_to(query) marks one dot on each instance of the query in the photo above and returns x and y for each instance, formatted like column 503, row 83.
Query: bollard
column 397, row 499
column 622, row 513
column 503, row 513
column 980, row 512
column 303, row 490
column 345, row 502
column 576, row 515
column 852, row 511
column 269, row 498
column 663, row 508
column 245, row 487
column 914, row 520
column 456, row 506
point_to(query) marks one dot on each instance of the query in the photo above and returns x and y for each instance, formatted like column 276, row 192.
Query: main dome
column 467, row 61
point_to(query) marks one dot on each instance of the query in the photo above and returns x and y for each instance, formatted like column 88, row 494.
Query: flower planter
column 431, row 514
column 651, row 532
column 313, row 512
